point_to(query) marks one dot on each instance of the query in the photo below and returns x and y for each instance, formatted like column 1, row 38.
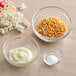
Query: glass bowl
column 51, row 11
column 52, row 57
column 21, row 41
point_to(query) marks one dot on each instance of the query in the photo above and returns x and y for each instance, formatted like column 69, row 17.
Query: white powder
column 51, row 59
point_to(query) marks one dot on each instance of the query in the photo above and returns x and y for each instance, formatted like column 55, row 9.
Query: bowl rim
column 50, row 39
column 6, row 43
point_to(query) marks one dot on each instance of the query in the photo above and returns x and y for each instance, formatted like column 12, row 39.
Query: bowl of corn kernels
column 51, row 23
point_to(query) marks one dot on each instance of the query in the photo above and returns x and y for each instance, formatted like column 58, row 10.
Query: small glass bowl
column 51, row 11
column 21, row 41
column 57, row 56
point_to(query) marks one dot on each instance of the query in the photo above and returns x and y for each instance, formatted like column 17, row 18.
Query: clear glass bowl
column 21, row 41
column 52, row 57
column 51, row 11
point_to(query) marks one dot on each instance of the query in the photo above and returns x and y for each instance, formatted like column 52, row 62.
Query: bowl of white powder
column 52, row 57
